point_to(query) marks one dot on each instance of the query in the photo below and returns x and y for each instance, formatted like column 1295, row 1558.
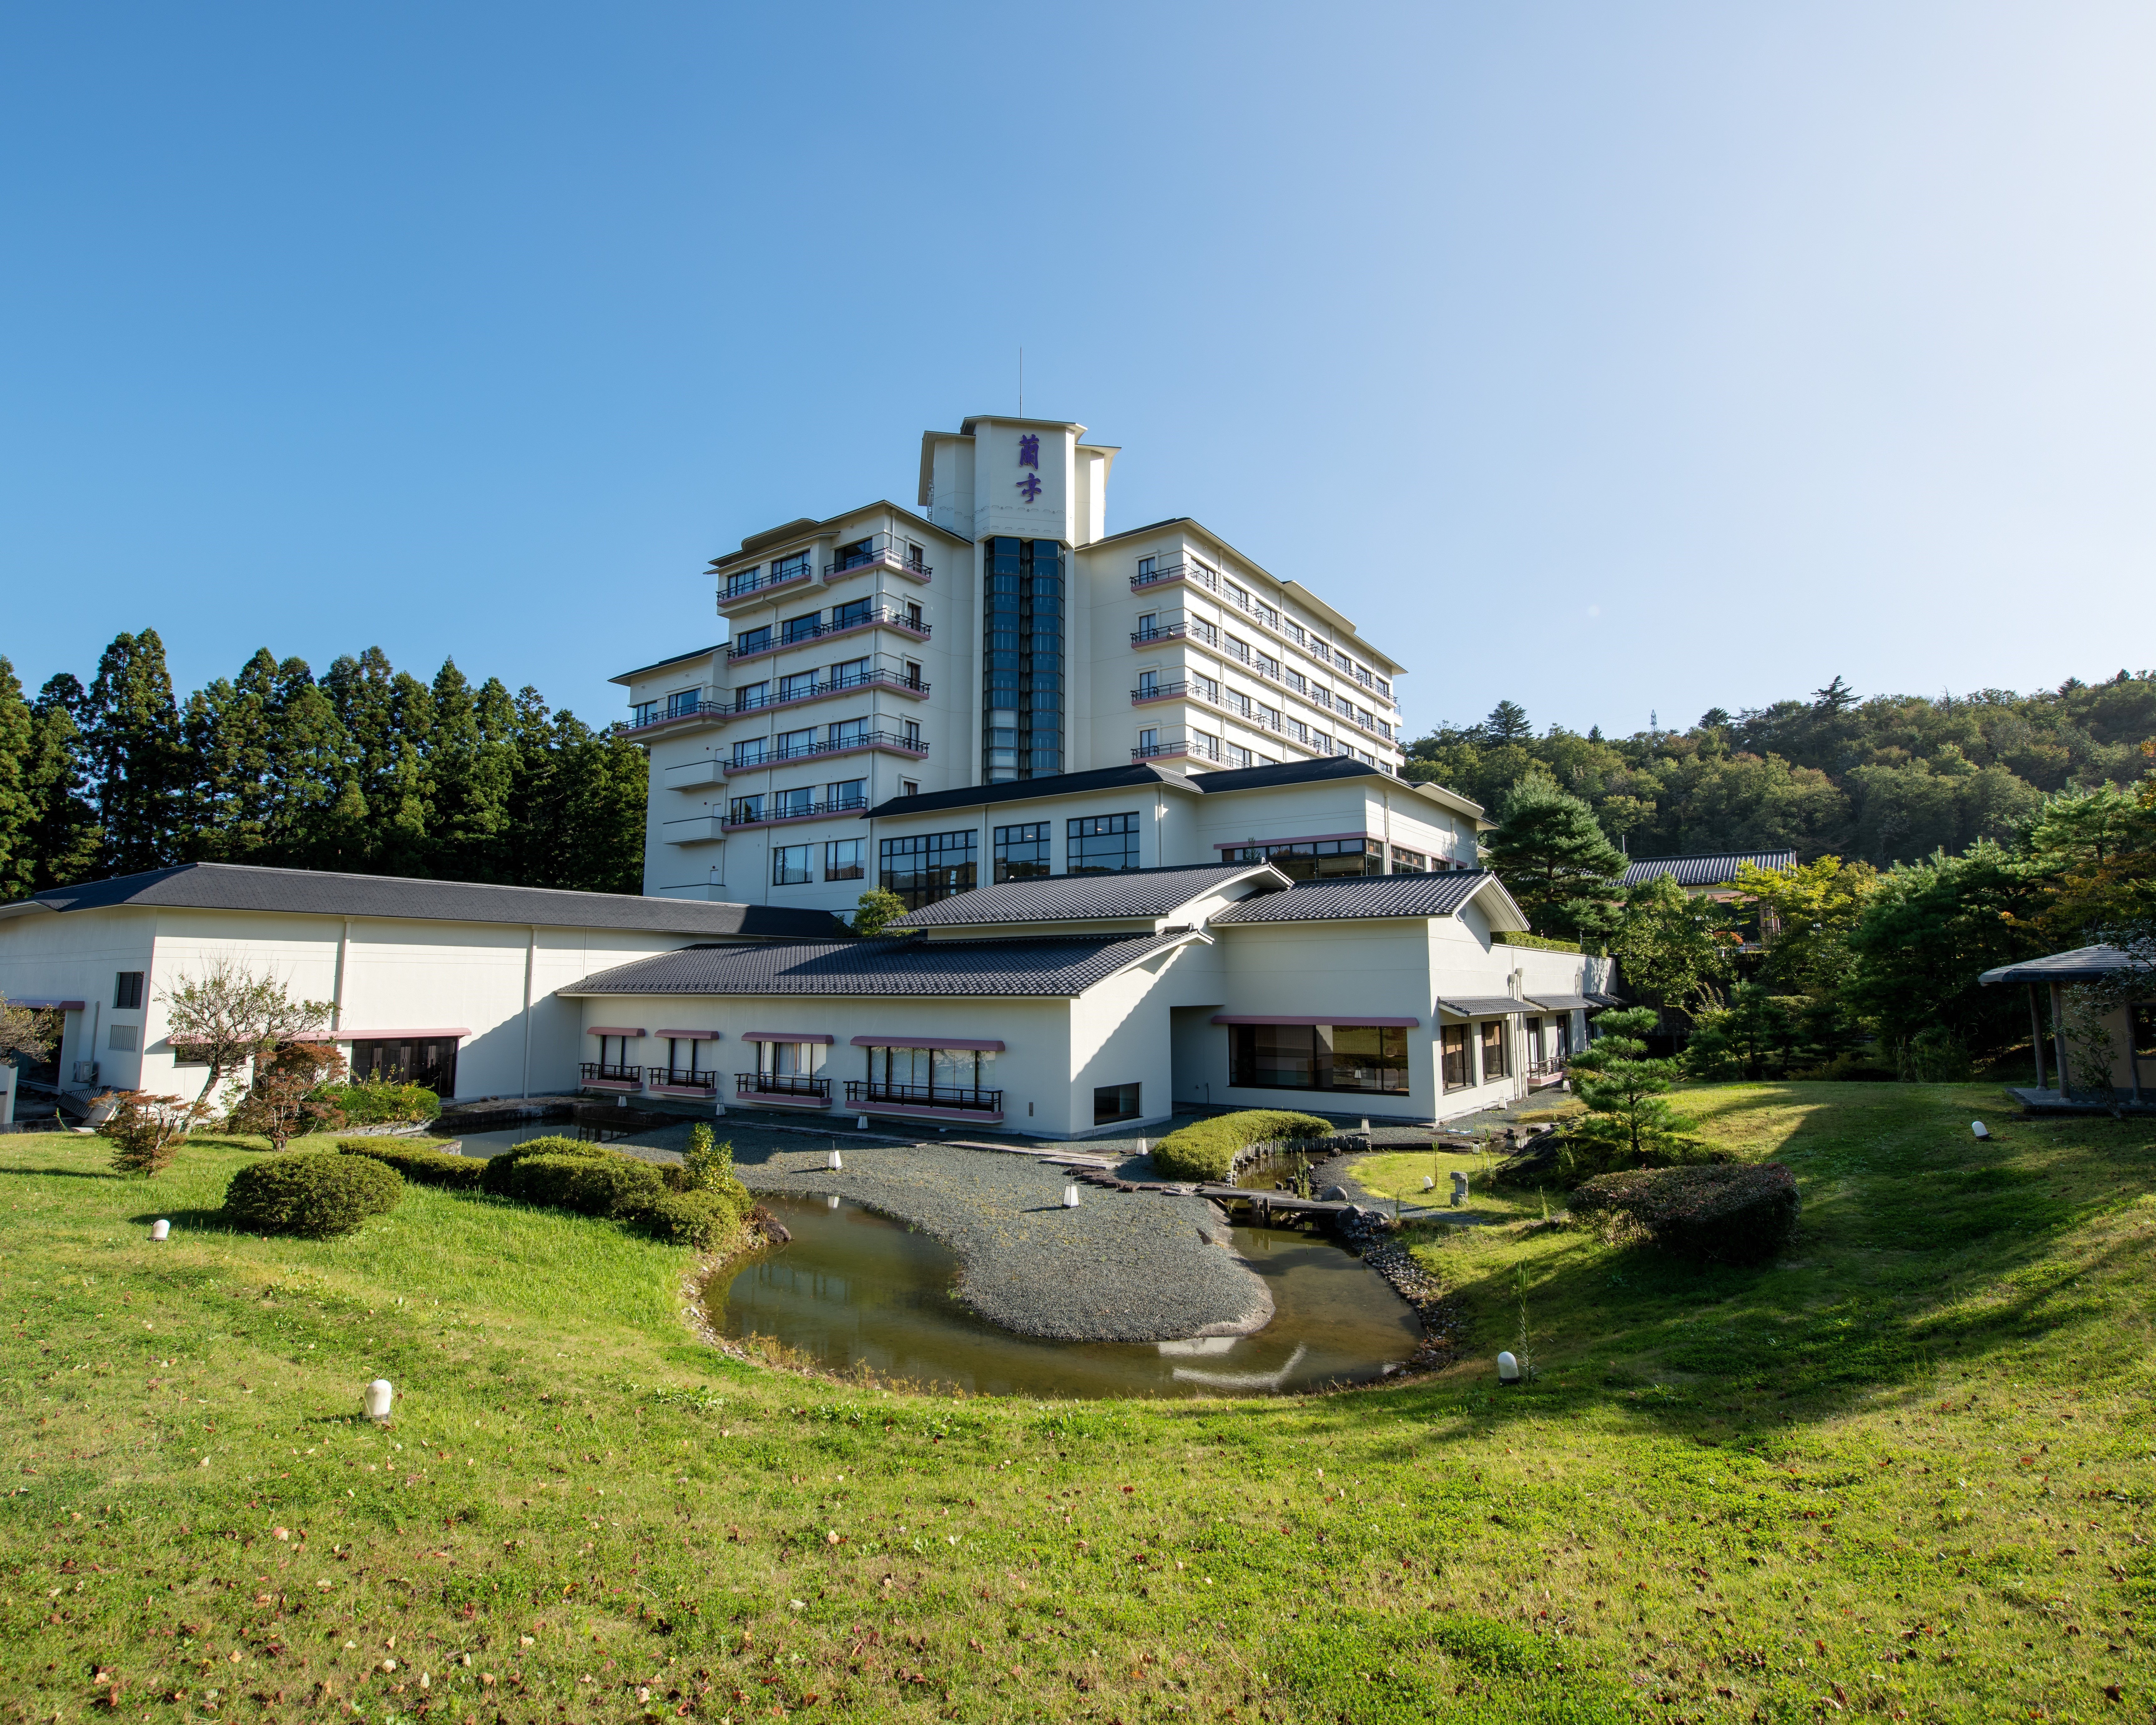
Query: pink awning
column 1352, row 1024
column 985, row 1046
column 691, row 1035
column 391, row 1035
column 786, row 1036
column 611, row 1030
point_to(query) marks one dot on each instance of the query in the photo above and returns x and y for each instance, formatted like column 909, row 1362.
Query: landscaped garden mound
column 1720, row 1213
column 695, row 1202
column 1208, row 1149
column 315, row 1193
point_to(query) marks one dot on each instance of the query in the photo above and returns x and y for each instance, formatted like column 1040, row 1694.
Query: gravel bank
column 1123, row 1266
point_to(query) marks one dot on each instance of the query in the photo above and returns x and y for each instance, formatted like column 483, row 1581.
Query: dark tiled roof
column 1259, row 778
column 2083, row 964
column 1716, row 870
column 1086, row 898
column 1063, row 965
column 234, row 886
column 1140, row 775
column 1439, row 895
column 1481, row 1006
column 1565, row 1002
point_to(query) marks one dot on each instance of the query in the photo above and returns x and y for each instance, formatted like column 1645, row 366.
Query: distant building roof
column 238, row 886
column 1439, row 895
column 2083, row 964
column 1027, row 965
column 1089, row 898
column 1141, row 774
column 1715, row 869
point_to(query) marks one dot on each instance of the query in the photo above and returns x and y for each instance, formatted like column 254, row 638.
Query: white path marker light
column 1508, row 1369
column 860, row 1122
column 1070, row 1196
column 1979, row 1129
column 161, row 1229
column 379, row 1397
column 835, row 1160
column 1429, row 1182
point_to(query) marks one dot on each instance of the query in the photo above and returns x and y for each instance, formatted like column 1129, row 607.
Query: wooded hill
column 366, row 769
column 1887, row 779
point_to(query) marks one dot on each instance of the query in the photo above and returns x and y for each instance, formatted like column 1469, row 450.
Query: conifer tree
column 135, row 754
column 1549, row 851
column 17, row 811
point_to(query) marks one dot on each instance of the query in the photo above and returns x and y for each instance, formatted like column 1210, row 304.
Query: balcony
column 883, row 616
column 1195, row 748
column 671, row 1081
column 597, row 1075
column 1146, row 637
column 680, row 707
column 753, row 588
column 793, row 812
column 882, row 551
column 1147, row 695
column 696, row 830
column 895, row 682
column 695, row 775
column 926, row 1102
column 914, row 748
column 783, row 1090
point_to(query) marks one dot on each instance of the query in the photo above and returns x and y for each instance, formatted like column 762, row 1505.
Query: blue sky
column 1611, row 360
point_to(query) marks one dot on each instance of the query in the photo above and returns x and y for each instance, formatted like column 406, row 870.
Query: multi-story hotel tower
column 996, row 649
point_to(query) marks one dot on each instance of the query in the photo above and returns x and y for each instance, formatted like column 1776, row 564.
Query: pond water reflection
column 855, row 1286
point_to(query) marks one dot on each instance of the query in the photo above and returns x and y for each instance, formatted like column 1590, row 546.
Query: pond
column 857, row 1287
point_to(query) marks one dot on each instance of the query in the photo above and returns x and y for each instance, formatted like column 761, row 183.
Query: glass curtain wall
column 1022, row 677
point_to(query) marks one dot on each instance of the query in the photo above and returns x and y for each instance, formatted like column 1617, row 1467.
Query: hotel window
column 843, row 859
column 740, row 581
column 1268, row 617
column 932, row 1075
column 790, row 805
column 1346, row 665
column 1238, row 649
column 749, row 752
column 752, row 640
column 1319, row 859
column 1146, row 566
column 1204, row 687
column 1363, row 676
column 1114, row 1101
column 913, row 673
column 1268, row 667
column 1149, row 625
column 911, row 786
column 1319, row 651
column 752, row 696
column 744, row 810
column 1294, row 633
column 787, row 567
column 1296, row 729
column 852, row 673
column 1458, row 1064
column 846, row 793
column 1409, row 862
column 1203, row 745
column 849, row 615
column 1367, row 719
column 1269, row 716
column 126, row 990
column 1021, row 852
column 642, row 712
column 929, row 866
column 1236, row 754
column 1148, row 685
column 683, row 700
column 797, row 687
column 1495, row 1064
column 789, row 865
column 1368, row 1058
column 913, row 615
column 915, row 555
column 850, row 733
column 1022, row 678
column 801, row 629
column 1296, row 680
column 1241, row 599
column 909, row 735
column 795, row 743
column 1201, row 630
column 1149, row 741
column 1235, row 701
column 1384, row 687
column 1103, row 844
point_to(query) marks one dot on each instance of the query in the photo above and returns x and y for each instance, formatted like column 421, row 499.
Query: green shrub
column 500, row 1174
column 702, row 1219
column 608, row 1185
column 1207, row 1150
column 1730, row 1213
column 418, row 1163
column 380, row 1104
column 709, row 1167
column 314, row 1193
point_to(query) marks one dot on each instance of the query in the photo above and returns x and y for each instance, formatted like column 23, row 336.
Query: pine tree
column 1508, row 723
column 64, row 839
column 1549, row 851
column 17, row 810
column 135, row 755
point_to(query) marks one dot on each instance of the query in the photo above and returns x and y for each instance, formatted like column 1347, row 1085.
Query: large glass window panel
column 1457, row 1059
column 1495, row 1062
column 1369, row 1057
column 1103, row 843
column 1023, row 852
column 928, row 866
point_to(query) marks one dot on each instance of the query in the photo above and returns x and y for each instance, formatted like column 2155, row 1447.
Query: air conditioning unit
column 86, row 1072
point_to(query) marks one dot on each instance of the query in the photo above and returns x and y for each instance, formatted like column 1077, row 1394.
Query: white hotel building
column 884, row 662
column 1141, row 797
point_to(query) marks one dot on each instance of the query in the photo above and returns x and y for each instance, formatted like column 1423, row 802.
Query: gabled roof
column 1141, row 775
column 1050, row 965
column 237, row 886
column 2083, row 964
column 1715, row 869
column 1398, row 896
column 1135, row 893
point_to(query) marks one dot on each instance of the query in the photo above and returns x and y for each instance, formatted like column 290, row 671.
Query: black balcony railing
column 925, row 1096
column 837, row 745
column 779, row 575
column 1173, row 632
column 880, row 550
column 882, row 615
column 708, row 1082
column 598, row 1072
column 832, row 686
column 781, row 1083
column 741, row 817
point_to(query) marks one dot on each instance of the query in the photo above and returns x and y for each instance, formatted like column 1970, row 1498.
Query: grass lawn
column 1906, row 1472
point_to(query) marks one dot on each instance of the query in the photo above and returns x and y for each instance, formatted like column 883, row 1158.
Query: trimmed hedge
column 701, row 1218
column 498, row 1176
column 421, row 1165
column 381, row 1104
column 1207, row 1150
column 1717, row 1213
column 314, row 1193
column 614, row 1185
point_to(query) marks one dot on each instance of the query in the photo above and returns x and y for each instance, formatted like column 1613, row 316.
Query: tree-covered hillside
column 1886, row 779
column 366, row 769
